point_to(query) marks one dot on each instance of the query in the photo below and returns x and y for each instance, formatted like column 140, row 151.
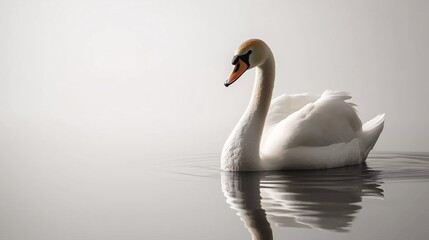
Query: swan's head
column 249, row 54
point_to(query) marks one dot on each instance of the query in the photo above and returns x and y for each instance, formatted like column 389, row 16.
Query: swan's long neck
column 241, row 150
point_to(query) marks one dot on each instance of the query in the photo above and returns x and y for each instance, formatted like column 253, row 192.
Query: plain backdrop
column 129, row 79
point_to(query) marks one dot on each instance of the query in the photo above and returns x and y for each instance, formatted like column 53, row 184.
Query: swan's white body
column 296, row 131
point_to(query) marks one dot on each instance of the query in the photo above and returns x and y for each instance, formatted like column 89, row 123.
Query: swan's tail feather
column 370, row 132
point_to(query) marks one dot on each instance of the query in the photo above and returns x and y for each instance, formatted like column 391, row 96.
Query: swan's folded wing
column 327, row 121
column 285, row 105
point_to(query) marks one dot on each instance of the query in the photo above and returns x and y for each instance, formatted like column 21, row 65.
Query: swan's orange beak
column 239, row 68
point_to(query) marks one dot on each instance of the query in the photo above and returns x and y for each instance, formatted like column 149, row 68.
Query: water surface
column 189, row 198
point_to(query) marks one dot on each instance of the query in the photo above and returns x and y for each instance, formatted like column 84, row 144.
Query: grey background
column 96, row 95
column 91, row 79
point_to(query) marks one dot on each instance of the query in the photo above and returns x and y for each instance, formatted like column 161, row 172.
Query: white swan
column 293, row 131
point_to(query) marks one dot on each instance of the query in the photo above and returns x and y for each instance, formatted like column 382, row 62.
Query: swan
column 298, row 131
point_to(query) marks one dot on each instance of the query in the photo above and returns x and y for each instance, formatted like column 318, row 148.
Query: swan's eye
column 245, row 57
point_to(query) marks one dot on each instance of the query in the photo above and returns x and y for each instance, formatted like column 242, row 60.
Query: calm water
column 189, row 198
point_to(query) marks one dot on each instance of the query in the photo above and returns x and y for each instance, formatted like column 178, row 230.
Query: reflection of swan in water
column 326, row 199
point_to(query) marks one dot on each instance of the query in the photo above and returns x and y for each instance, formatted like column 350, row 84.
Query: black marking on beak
column 237, row 66
column 244, row 58
column 235, row 59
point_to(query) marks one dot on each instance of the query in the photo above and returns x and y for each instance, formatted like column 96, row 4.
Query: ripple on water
column 197, row 166
column 390, row 166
